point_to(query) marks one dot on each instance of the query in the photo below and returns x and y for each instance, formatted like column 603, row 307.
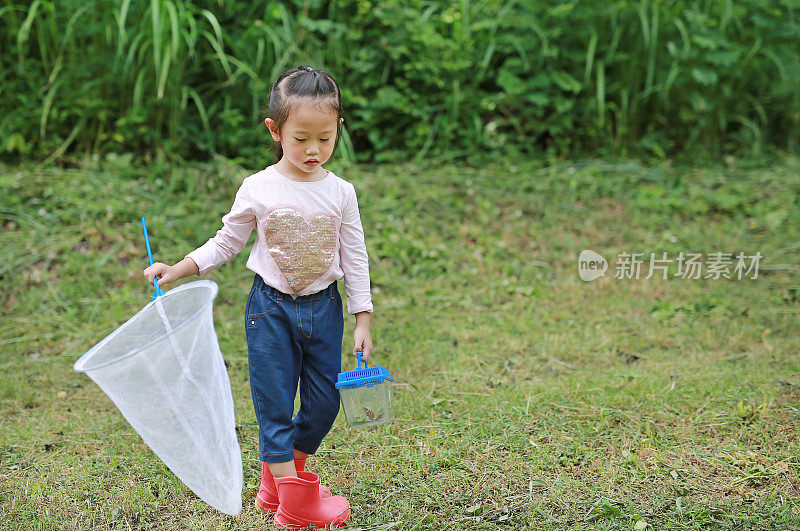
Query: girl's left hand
column 363, row 342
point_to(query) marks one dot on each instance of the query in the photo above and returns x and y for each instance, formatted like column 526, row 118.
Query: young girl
column 308, row 236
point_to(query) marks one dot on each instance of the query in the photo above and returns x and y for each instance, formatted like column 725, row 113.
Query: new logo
column 591, row 265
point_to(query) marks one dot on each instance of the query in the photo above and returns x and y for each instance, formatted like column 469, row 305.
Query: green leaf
column 539, row 98
column 566, row 82
column 511, row 84
column 705, row 42
column 541, row 81
column 722, row 58
column 705, row 76
column 15, row 142
column 474, row 509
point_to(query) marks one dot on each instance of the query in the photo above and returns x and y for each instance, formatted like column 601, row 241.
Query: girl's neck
column 286, row 169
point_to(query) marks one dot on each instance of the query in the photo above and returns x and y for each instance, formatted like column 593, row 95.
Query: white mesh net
column 164, row 371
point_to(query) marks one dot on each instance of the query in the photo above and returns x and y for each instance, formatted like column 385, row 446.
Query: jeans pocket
column 260, row 303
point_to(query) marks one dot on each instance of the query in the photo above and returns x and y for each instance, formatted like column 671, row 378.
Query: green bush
column 419, row 78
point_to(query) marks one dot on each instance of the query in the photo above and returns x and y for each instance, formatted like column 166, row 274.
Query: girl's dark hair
column 297, row 84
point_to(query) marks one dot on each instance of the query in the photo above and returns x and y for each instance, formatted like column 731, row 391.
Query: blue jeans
column 289, row 340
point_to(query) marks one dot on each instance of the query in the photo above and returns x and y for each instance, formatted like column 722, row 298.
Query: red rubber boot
column 300, row 466
column 302, row 506
column 267, row 497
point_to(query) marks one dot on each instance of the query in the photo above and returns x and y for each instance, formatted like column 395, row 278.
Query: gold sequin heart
column 303, row 250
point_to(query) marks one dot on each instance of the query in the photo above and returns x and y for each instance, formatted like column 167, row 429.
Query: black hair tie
column 307, row 68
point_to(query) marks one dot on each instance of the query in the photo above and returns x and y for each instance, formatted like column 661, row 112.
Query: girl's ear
column 273, row 129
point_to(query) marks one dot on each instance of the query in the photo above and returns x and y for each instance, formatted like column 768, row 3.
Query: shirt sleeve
column 231, row 238
column 353, row 257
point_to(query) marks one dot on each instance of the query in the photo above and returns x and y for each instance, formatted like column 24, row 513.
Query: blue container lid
column 366, row 377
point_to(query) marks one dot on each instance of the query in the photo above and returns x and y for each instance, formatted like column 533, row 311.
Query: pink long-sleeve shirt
column 308, row 235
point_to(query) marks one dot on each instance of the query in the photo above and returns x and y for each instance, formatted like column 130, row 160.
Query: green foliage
column 419, row 78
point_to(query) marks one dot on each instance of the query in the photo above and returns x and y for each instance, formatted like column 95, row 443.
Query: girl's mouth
column 312, row 162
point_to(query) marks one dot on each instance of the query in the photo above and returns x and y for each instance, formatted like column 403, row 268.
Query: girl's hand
column 363, row 342
column 166, row 274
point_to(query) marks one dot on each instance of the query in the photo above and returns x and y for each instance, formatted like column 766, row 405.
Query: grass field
column 527, row 398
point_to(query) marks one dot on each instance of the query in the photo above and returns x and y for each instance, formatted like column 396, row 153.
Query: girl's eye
column 324, row 139
column 300, row 139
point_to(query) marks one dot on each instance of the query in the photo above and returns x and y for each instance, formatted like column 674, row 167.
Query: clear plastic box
column 366, row 396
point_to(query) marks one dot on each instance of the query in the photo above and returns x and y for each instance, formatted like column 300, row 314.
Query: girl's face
column 307, row 139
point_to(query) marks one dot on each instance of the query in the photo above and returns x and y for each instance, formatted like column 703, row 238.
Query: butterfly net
column 164, row 371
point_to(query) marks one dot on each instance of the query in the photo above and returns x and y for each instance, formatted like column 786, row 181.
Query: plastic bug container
column 366, row 395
